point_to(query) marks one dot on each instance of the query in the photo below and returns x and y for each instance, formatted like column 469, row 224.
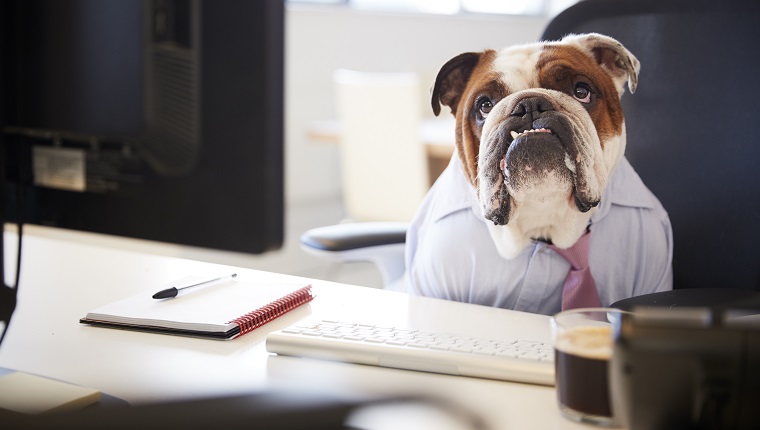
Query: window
column 447, row 7
column 512, row 7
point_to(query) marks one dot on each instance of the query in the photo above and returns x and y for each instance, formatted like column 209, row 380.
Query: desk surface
column 62, row 280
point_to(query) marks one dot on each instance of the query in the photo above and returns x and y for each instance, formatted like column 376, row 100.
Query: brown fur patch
column 482, row 80
column 561, row 67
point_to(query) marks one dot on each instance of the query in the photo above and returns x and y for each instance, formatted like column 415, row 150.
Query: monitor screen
column 151, row 119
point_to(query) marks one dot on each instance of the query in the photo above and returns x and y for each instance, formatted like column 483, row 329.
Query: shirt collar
column 625, row 188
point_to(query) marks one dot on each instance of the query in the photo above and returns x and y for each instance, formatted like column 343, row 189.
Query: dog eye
column 484, row 106
column 582, row 92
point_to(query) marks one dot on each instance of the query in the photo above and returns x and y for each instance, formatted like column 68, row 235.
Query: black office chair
column 693, row 126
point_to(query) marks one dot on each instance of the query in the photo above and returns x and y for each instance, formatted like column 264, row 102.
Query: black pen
column 173, row 291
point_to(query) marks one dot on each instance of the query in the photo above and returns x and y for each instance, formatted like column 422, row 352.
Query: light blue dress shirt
column 450, row 255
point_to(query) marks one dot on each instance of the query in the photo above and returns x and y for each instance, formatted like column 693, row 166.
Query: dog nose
column 534, row 106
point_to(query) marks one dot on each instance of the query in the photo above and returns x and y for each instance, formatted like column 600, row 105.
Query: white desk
column 61, row 281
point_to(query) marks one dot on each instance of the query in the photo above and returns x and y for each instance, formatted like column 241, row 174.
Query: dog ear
column 452, row 80
column 612, row 56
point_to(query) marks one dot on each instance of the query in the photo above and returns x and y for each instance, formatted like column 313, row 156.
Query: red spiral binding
column 253, row 320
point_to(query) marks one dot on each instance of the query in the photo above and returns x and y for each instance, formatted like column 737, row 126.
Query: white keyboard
column 515, row 360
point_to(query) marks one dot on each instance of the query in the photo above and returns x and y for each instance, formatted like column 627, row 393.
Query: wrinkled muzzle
column 540, row 148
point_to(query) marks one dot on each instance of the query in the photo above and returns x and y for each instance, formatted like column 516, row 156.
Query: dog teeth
column 515, row 134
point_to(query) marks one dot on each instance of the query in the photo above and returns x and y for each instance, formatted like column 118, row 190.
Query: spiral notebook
column 221, row 311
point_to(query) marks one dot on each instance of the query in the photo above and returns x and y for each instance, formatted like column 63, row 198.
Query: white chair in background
column 384, row 166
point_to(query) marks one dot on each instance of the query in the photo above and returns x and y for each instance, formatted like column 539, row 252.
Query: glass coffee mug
column 583, row 341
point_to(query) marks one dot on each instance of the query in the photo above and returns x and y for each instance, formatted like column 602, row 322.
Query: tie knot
column 576, row 255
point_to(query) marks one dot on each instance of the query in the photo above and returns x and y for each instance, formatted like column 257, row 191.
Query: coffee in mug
column 583, row 350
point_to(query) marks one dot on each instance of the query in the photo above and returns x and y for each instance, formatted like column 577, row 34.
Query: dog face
column 539, row 128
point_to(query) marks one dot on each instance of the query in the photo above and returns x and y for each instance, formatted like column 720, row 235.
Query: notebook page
column 208, row 308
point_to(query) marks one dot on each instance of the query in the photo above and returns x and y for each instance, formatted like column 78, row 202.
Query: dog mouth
column 530, row 149
column 528, row 134
column 529, row 161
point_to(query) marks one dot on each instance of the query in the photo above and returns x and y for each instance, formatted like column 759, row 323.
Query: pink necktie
column 580, row 288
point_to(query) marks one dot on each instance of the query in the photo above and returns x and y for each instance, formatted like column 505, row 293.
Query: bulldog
column 539, row 129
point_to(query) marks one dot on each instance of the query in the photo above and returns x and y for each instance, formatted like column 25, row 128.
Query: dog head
column 539, row 129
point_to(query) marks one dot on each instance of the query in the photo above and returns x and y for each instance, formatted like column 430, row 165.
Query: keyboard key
column 418, row 345
column 440, row 347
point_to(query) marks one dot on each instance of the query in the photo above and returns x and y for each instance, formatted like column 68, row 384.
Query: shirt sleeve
column 449, row 252
column 633, row 250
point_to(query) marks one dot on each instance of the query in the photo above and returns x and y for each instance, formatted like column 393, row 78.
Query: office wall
column 322, row 39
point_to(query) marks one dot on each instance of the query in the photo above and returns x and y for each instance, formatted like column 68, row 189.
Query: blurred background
column 381, row 36
column 371, row 37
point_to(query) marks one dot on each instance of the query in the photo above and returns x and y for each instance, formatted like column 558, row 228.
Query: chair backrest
column 693, row 124
column 383, row 162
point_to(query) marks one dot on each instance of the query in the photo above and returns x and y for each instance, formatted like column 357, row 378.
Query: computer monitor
column 151, row 119
column 159, row 120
